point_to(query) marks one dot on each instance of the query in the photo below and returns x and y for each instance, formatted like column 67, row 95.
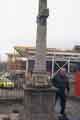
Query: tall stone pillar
column 40, row 77
column 39, row 96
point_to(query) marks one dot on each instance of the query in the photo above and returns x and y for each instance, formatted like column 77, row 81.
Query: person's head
column 62, row 71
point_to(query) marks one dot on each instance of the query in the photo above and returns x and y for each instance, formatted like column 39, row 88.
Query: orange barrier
column 77, row 83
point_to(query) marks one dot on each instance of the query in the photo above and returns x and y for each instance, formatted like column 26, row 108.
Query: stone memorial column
column 40, row 77
column 39, row 96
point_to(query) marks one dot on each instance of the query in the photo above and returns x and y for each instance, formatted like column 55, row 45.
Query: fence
column 11, row 94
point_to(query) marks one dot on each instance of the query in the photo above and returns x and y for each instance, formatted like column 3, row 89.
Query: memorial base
column 39, row 104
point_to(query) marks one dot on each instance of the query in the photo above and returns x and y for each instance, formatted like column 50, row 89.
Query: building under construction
column 22, row 61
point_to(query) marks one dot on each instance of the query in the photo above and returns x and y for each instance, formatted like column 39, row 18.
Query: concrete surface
column 72, row 110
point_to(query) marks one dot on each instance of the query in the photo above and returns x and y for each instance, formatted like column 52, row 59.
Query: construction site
column 22, row 60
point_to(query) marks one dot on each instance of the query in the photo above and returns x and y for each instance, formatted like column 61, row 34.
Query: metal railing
column 11, row 93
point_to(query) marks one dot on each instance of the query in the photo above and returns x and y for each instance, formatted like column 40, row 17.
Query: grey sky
column 18, row 23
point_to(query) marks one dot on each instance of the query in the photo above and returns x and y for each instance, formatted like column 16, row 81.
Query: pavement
column 73, row 109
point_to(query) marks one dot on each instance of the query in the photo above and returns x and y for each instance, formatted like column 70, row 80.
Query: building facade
column 22, row 61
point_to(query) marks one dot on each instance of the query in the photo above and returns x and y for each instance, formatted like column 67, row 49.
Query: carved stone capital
column 44, row 12
column 42, row 17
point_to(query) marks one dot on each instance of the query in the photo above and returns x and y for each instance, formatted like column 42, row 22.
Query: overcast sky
column 18, row 23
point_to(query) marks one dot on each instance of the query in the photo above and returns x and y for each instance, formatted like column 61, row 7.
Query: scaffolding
column 67, row 58
column 53, row 56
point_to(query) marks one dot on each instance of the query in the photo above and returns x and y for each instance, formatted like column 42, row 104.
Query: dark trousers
column 62, row 99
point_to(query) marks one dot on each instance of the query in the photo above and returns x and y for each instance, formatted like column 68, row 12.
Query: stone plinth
column 39, row 104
